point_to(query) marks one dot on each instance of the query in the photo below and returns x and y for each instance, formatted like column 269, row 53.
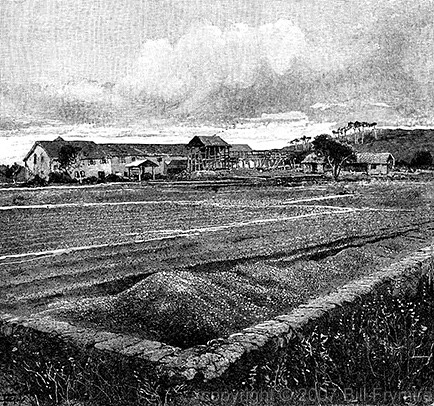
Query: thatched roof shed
column 376, row 158
column 314, row 159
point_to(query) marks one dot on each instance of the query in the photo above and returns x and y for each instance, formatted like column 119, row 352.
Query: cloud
column 353, row 60
column 207, row 58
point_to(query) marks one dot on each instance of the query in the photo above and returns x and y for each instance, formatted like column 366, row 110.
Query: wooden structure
column 138, row 168
column 208, row 153
column 241, row 156
column 374, row 163
column 314, row 163
column 272, row 159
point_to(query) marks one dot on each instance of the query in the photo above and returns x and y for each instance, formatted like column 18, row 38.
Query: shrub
column 60, row 177
column 421, row 159
column 114, row 178
column 91, row 180
column 382, row 343
column 36, row 181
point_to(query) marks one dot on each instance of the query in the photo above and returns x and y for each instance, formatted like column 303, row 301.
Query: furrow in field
column 184, row 233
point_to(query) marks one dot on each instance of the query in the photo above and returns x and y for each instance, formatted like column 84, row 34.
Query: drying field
column 184, row 264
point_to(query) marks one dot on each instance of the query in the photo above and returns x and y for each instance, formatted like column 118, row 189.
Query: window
column 82, row 174
column 35, row 159
column 122, row 160
column 77, row 174
column 42, row 158
column 133, row 158
column 55, row 167
column 91, row 162
column 373, row 166
column 103, row 161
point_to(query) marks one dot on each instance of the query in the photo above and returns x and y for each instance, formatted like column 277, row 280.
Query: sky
column 234, row 65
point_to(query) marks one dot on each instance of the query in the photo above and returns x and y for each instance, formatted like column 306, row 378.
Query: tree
column 12, row 172
column 421, row 158
column 374, row 128
column 70, row 159
column 336, row 153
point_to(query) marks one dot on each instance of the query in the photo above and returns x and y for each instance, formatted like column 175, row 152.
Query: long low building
column 84, row 159
column 380, row 163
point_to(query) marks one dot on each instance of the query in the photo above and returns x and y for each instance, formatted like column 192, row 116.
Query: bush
column 36, row 181
column 60, row 177
column 92, row 180
column 114, row 178
column 421, row 159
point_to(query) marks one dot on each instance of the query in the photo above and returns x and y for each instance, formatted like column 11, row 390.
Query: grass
column 402, row 144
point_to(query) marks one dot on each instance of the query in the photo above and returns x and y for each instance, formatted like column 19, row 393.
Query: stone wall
column 226, row 359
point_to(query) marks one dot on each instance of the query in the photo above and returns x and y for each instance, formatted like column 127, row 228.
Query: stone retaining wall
column 222, row 358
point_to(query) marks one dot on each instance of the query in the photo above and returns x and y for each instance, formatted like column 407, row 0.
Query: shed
column 314, row 163
column 138, row 167
column 374, row 163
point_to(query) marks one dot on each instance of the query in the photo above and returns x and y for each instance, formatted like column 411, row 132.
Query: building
column 314, row 163
column 91, row 159
column 168, row 158
column 374, row 163
column 208, row 153
column 100, row 160
column 121, row 155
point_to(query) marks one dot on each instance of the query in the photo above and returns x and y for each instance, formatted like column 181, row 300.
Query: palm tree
column 374, row 128
column 295, row 142
column 364, row 125
column 304, row 140
column 356, row 126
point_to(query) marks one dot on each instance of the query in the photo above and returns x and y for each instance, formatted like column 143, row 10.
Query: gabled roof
column 122, row 150
column 207, row 141
column 89, row 149
column 374, row 158
column 143, row 162
column 313, row 159
column 240, row 148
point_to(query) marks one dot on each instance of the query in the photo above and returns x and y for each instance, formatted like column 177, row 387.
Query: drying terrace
column 230, row 257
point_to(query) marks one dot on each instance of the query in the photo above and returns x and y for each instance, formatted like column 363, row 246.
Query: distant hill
column 401, row 143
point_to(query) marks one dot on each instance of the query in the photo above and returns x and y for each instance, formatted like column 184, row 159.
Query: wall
column 118, row 167
column 227, row 361
column 93, row 169
column 379, row 169
column 43, row 163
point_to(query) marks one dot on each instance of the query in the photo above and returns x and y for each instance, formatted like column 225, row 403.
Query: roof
column 143, row 162
column 89, row 149
column 207, row 141
column 313, row 159
column 374, row 158
column 144, row 149
column 240, row 148
column 121, row 150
